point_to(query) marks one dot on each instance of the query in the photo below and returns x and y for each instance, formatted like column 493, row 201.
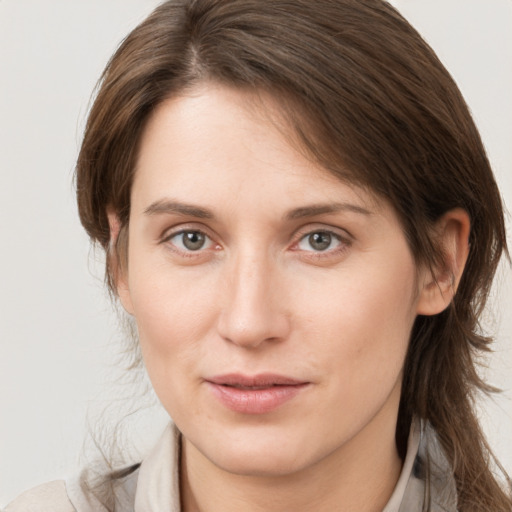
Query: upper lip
column 260, row 380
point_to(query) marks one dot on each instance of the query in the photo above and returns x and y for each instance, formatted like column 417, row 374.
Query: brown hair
column 363, row 92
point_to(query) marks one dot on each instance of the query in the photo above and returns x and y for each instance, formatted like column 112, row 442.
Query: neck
column 360, row 475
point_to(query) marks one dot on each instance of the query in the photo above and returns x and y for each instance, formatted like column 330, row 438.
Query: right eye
column 190, row 240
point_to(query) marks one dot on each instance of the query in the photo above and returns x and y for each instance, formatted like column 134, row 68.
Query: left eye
column 319, row 241
column 190, row 240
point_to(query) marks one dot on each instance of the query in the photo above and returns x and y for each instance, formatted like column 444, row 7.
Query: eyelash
column 343, row 242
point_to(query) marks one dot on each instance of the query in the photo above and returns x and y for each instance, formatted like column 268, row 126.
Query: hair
column 369, row 100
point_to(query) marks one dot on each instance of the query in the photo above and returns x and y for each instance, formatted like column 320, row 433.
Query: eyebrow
column 168, row 206
column 320, row 209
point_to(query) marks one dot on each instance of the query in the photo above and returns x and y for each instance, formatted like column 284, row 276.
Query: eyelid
column 180, row 227
column 340, row 233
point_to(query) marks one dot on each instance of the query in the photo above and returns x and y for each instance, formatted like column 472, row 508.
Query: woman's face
column 274, row 303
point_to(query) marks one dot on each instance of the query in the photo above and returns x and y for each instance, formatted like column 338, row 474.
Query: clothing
column 147, row 489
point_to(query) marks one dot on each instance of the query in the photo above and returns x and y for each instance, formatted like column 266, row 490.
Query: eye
column 320, row 241
column 190, row 240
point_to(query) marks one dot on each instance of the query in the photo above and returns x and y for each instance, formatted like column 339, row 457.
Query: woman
column 300, row 217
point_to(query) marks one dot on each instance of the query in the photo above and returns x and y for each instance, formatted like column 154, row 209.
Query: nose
column 254, row 309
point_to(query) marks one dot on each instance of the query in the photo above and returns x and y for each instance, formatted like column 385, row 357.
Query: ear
column 118, row 270
column 438, row 286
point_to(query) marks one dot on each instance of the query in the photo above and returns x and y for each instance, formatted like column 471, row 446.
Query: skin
column 260, row 296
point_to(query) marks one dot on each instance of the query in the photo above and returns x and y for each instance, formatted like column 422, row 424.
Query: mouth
column 254, row 388
column 257, row 394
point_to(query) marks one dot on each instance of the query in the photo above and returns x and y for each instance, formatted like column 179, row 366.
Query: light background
column 58, row 335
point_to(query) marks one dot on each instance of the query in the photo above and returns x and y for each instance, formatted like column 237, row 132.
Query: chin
column 262, row 465
column 265, row 454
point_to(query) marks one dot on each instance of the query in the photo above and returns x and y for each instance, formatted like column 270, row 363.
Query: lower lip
column 255, row 401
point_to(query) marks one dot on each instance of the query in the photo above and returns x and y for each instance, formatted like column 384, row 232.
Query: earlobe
column 439, row 285
column 117, row 269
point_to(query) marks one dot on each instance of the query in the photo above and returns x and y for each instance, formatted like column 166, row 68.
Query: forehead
column 215, row 141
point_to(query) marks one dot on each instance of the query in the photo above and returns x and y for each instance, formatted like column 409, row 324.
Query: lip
column 257, row 394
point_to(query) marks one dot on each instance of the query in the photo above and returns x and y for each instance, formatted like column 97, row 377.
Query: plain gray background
column 58, row 334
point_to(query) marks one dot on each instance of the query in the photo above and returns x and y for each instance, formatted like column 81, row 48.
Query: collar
column 154, row 493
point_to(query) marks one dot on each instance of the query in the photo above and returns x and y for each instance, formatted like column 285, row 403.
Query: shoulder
column 49, row 497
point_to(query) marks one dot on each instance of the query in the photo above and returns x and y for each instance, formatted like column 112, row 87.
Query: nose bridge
column 252, row 312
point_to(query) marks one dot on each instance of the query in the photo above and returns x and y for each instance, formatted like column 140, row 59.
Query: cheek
column 362, row 320
column 173, row 311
